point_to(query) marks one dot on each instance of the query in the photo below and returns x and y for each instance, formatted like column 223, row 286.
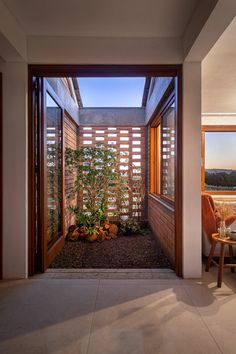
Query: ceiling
column 219, row 74
column 134, row 19
column 103, row 18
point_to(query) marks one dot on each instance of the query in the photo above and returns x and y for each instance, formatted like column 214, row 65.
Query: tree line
column 223, row 179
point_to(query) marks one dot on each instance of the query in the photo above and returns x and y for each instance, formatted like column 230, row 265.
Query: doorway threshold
column 108, row 274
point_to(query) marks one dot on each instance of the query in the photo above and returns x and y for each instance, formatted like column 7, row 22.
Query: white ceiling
column 103, row 18
column 140, row 19
column 219, row 74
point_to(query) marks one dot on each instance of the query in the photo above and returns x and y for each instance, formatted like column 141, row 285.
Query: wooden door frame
column 106, row 71
column 39, row 263
column 48, row 255
column 1, row 177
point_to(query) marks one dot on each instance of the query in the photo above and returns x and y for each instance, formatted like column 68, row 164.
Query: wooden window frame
column 154, row 185
column 48, row 253
column 157, row 121
column 1, row 178
column 209, row 129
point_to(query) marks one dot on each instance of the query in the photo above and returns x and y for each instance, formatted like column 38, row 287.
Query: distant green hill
column 220, row 178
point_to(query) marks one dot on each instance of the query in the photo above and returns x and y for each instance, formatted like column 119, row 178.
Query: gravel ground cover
column 134, row 251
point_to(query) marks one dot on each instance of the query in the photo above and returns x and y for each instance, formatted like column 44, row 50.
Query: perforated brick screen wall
column 129, row 142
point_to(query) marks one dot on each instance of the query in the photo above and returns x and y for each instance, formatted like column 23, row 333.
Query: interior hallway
column 155, row 312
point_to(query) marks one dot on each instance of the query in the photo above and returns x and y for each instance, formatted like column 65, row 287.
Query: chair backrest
column 209, row 222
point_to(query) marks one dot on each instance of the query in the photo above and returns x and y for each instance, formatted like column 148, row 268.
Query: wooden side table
column 223, row 242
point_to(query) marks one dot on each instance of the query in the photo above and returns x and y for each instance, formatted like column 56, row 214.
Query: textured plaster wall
column 192, row 170
column 15, row 252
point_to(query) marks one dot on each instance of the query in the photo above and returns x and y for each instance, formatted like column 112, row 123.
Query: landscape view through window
column 220, row 161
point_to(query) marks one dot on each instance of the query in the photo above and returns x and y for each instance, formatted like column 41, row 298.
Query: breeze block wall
column 130, row 143
column 71, row 141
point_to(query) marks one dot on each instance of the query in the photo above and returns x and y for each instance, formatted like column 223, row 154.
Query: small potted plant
column 223, row 211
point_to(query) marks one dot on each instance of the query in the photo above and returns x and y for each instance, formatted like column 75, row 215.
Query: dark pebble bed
column 135, row 251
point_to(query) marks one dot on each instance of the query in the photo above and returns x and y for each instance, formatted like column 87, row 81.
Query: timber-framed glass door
column 51, row 187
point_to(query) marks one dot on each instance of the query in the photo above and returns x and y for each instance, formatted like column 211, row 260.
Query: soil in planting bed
column 135, row 251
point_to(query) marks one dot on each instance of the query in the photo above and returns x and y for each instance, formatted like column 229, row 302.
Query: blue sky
column 220, row 150
column 112, row 92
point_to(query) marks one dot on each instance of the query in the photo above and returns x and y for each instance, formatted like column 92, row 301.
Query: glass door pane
column 168, row 152
column 54, row 195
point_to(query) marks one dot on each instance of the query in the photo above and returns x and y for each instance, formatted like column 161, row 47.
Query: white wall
column 15, row 170
column 219, row 74
column 220, row 119
column 192, row 170
column 15, row 254
column 92, row 50
column 69, row 50
column 11, row 36
column 198, row 38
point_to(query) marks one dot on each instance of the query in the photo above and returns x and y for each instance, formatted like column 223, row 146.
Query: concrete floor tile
column 50, row 316
column 108, row 316
column 153, row 319
column 140, row 282
column 217, row 309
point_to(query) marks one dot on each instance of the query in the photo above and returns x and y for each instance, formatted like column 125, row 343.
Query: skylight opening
column 111, row 92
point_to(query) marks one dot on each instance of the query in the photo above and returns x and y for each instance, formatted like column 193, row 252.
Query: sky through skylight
column 112, row 92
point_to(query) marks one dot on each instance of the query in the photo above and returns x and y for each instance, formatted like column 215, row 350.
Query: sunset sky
column 220, row 150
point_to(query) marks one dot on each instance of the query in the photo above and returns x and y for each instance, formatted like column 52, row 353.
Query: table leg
column 231, row 253
column 221, row 265
column 213, row 246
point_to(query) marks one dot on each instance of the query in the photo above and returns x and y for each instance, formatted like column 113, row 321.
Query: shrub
column 129, row 226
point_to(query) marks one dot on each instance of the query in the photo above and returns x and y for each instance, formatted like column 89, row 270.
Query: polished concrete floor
column 140, row 312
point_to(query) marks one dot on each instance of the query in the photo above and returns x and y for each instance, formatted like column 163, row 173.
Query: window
column 155, row 140
column 111, row 91
column 162, row 152
column 219, row 163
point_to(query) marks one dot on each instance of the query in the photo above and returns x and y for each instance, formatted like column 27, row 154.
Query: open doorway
column 218, row 168
column 127, row 132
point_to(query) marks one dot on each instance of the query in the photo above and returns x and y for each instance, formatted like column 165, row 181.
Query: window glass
column 54, row 171
column 162, row 154
column 220, row 161
column 168, row 153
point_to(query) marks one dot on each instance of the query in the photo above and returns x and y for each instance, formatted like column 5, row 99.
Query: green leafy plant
column 82, row 219
column 129, row 226
column 54, row 189
column 137, row 189
column 92, row 230
column 97, row 177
